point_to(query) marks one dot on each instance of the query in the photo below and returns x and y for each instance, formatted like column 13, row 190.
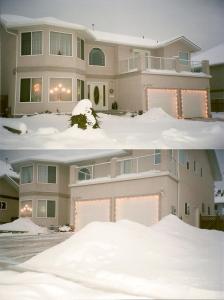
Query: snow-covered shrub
column 84, row 115
column 65, row 228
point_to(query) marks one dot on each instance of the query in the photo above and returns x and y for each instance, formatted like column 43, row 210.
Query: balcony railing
column 147, row 63
column 151, row 164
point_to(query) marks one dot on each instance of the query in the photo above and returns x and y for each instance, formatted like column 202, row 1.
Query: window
column 60, row 43
column 188, row 165
column 60, row 89
column 84, row 174
column 46, row 174
column 26, row 174
column 157, row 157
column 26, row 208
column 194, row 166
column 126, row 166
column 203, row 208
column 30, row 90
column 183, row 58
column 80, row 89
column 96, row 57
column 182, row 157
column 201, row 172
column 209, row 211
column 80, row 48
column 187, row 209
column 31, row 43
column 3, row 205
column 46, row 209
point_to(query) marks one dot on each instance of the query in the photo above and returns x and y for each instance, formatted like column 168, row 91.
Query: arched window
column 84, row 174
column 96, row 57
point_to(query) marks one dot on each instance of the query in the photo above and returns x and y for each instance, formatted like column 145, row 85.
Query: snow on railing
column 94, row 171
column 129, row 65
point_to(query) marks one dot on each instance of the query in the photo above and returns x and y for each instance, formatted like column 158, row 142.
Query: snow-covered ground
column 124, row 260
column 23, row 225
column 154, row 129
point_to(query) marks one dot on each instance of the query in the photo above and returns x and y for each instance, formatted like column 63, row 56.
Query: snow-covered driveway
column 154, row 129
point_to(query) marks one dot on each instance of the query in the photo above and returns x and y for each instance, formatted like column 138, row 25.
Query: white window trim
column 77, row 88
column 188, row 53
column 49, row 38
column 47, row 166
column 78, row 37
column 29, row 165
column 42, row 87
column 105, row 58
column 20, row 201
column 122, row 166
column 6, row 205
column 42, row 40
column 46, row 209
column 48, row 91
column 157, row 154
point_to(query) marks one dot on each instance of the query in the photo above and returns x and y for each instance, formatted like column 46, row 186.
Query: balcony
column 160, row 64
column 148, row 165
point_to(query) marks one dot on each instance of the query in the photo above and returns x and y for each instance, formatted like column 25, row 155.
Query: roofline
column 11, row 181
column 214, row 164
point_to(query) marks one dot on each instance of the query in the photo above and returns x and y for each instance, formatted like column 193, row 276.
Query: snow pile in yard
column 16, row 124
column 84, row 107
column 167, row 260
column 6, row 169
column 155, row 114
column 23, row 224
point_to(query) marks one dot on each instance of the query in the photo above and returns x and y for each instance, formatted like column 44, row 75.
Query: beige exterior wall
column 12, row 211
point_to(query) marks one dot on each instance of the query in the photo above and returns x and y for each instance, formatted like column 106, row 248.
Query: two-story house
column 139, row 185
column 49, row 65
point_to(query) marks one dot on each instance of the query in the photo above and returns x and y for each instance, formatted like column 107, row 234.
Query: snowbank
column 155, row 114
column 168, row 260
column 23, row 224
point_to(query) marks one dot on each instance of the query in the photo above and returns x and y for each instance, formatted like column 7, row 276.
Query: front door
column 97, row 93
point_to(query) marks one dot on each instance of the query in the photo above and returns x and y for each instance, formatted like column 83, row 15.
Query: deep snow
column 154, row 129
column 23, row 225
column 167, row 260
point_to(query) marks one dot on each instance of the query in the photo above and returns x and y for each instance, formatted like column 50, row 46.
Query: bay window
column 30, row 89
column 60, row 89
column 46, row 208
column 60, row 43
column 31, row 43
column 157, row 157
column 46, row 174
column 26, row 174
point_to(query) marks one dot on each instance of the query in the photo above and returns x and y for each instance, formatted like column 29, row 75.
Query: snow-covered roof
column 6, row 169
column 78, row 156
column 14, row 21
column 215, row 55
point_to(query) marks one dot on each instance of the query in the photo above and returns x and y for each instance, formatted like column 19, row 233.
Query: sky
column 202, row 21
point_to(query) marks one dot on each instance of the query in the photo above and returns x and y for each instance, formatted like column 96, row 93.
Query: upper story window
column 26, row 174
column 30, row 90
column 183, row 157
column 184, row 57
column 96, row 57
column 80, row 89
column 126, row 166
column 80, row 48
column 31, row 43
column 157, row 157
column 84, row 174
column 3, row 205
column 46, row 208
column 60, row 89
column 60, row 43
column 46, row 174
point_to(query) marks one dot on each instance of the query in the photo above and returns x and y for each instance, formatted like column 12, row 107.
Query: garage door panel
column 194, row 103
column 87, row 211
column 165, row 99
column 141, row 209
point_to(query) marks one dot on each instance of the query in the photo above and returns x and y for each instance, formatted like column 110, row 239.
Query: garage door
column 194, row 103
column 87, row 211
column 142, row 209
column 163, row 98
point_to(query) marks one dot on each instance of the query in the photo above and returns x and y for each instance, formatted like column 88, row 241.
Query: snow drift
column 23, row 224
column 168, row 260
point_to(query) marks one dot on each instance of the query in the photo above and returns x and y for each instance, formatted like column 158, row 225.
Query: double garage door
column 193, row 102
column 141, row 209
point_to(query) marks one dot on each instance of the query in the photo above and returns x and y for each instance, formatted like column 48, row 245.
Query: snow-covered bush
column 84, row 115
column 65, row 228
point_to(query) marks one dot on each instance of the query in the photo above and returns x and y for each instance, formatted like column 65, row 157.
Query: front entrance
column 97, row 93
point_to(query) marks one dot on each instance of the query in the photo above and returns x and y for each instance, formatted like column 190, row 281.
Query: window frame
column 184, row 62
column 156, row 155
column 55, row 77
column 80, row 80
column 81, row 39
column 42, row 90
column 6, row 205
column 122, row 166
column 20, row 201
column 187, row 209
column 99, row 66
column 46, row 217
column 90, row 173
column 46, row 165
column 25, row 166
column 42, row 42
column 49, row 38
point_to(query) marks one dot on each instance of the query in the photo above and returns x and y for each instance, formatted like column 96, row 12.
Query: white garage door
column 141, row 209
column 87, row 211
column 163, row 98
column 194, row 103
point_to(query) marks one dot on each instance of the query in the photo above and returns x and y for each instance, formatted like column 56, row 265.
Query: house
column 140, row 185
column 215, row 56
column 49, row 65
column 9, row 193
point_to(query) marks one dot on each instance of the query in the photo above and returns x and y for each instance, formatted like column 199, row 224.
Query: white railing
column 129, row 65
column 160, row 63
column 95, row 171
